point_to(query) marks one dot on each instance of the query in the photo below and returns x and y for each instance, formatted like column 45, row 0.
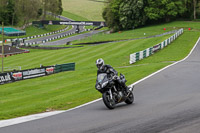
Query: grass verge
column 73, row 16
column 32, row 30
column 69, row 89
column 89, row 9
column 140, row 32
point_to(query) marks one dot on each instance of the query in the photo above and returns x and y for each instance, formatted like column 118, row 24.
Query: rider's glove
column 115, row 77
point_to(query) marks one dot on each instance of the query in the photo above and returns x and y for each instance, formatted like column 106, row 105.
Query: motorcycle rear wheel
column 110, row 103
column 130, row 98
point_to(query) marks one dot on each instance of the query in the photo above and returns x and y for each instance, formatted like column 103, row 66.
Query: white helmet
column 100, row 63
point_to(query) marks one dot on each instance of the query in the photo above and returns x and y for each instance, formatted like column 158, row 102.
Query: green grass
column 32, row 30
column 68, row 36
column 69, row 89
column 139, row 32
column 89, row 9
column 38, row 31
column 73, row 16
column 64, row 45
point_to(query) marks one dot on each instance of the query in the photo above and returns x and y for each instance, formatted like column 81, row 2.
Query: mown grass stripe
column 68, row 89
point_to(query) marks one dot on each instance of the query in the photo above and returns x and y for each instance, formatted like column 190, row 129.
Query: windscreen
column 101, row 77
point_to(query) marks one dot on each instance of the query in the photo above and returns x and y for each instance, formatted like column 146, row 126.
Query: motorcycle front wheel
column 130, row 98
column 110, row 103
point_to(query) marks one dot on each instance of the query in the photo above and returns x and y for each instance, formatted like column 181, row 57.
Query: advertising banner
column 32, row 73
column 156, row 48
column 5, row 78
column 83, row 23
column 16, row 75
column 50, row 70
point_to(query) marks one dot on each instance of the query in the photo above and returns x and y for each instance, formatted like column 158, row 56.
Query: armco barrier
column 34, row 73
column 149, row 51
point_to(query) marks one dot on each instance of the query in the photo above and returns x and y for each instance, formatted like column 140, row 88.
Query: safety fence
column 46, row 34
column 149, row 51
column 13, row 76
column 54, row 38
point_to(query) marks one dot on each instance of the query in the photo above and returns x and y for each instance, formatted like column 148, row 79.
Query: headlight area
column 104, row 84
column 98, row 87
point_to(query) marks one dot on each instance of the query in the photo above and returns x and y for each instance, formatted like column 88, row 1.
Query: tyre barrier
column 149, row 51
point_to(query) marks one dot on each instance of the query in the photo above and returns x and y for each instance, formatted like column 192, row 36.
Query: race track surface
column 166, row 102
column 54, row 35
column 64, row 40
column 69, row 39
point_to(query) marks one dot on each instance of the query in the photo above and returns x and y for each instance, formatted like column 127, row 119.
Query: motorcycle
column 112, row 92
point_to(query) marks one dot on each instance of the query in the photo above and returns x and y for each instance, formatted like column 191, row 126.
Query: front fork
column 110, row 92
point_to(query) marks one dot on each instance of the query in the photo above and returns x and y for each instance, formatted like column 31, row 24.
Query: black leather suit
column 112, row 72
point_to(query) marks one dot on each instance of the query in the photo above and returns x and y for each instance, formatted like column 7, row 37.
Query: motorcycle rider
column 112, row 73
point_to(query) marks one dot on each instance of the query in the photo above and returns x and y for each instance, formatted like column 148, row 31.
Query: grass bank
column 89, row 9
column 32, row 30
column 140, row 32
column 69, row 89
column 73, row 16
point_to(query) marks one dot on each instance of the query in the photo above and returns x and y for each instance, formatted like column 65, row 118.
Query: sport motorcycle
column 112, row 92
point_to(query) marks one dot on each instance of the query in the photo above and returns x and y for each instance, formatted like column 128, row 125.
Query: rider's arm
column 111, row 70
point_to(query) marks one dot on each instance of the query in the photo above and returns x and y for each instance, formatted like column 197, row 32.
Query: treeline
column 14, row 12
column 129, row 14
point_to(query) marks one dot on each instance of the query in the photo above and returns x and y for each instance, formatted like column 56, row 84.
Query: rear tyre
column 130, row 98
column 110, row 103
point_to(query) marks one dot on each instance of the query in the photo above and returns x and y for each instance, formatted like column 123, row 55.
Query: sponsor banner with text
column 34, row 73
column 5, row 78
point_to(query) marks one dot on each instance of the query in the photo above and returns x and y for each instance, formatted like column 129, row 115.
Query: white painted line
column 83, row 105
column 14, row 121
column 4, row 123
column 167, row 66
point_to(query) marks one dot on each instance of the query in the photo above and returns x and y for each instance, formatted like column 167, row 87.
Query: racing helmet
column 100, row 63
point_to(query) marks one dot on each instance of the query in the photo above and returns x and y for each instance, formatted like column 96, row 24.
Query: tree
column 6, row 11
column 132, row 13
column 195, row 5
column 24, row 11
column 60, row 9
column 45, row 6
column 111, row 14
column 124, row 14
column 164, row 9
column 53, row 6
column 27, row 10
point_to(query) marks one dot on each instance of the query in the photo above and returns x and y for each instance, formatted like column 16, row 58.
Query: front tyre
column 130, row 98
column 110, row 103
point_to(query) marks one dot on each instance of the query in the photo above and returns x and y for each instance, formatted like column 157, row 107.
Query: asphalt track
column 69, row 39
column 165, row 102
column 64, row 40
column 54, row 35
